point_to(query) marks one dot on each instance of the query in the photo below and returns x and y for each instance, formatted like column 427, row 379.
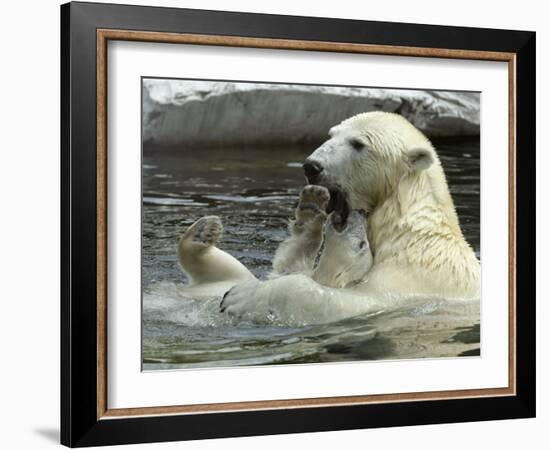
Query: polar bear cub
column 346, row 256
column 341, row 237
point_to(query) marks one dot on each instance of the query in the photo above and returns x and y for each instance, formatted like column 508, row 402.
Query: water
column 255, row 191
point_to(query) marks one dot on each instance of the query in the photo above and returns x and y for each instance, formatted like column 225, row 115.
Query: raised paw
column 313, row 202
column 207, row 231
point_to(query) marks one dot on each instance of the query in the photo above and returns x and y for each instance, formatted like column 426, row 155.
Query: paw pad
column 207, row 230
column 313, row 199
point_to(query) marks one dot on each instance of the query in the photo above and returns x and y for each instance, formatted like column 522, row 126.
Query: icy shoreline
column 205, row 114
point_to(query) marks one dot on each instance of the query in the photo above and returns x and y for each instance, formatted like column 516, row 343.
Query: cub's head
column 366, row 157
column 346, row 257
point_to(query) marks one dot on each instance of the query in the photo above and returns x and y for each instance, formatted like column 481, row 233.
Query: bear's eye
column 357, row 144
column 362, row 245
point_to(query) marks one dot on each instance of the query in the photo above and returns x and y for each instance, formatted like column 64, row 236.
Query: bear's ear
column 334, row 130
column 421, row 158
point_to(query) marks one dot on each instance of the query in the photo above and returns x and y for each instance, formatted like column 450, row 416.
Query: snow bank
column 205, row 113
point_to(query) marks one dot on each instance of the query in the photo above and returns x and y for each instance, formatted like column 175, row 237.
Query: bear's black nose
column 312, row 169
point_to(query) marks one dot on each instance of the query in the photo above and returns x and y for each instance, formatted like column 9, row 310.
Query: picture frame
column 86, row 418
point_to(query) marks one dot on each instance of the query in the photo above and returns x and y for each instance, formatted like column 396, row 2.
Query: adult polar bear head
column 368, row 155
column 381, row 163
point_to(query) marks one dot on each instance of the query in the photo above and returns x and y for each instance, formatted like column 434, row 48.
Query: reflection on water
column 254, row 191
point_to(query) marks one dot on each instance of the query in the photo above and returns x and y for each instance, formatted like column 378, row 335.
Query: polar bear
column 345, row 257
column 378, row 162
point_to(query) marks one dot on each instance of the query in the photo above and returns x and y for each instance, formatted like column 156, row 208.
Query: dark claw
column 222, row 307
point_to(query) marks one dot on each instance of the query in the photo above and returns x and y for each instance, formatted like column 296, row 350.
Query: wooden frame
column 86, row 418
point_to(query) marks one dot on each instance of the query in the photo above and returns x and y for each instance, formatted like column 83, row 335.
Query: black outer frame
column 79, row 423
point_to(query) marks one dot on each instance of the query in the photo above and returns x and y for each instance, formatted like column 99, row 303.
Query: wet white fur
column 414, row 233
column 211, row 271
column 345, row 259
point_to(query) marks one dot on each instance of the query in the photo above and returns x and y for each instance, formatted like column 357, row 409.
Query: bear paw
column 207, row 231
column 313, row 203
column 244, row 302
